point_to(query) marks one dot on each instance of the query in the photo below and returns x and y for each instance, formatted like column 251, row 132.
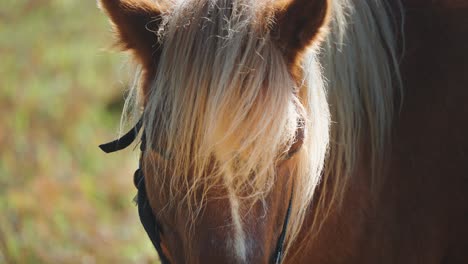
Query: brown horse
column 341, row 125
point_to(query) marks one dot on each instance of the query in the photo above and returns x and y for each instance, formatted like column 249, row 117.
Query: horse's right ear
column 300, row 23
column 136, row 23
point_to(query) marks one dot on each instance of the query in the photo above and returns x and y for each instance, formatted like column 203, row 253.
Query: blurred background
column 62, row 200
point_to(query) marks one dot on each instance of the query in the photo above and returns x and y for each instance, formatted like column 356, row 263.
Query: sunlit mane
column 360, row 65
column 362, row 72
column 223, row 108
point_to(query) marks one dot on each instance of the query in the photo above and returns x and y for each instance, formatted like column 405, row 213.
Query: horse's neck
column 426, row 170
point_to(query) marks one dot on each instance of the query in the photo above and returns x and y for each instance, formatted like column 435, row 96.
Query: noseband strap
column 148, row 219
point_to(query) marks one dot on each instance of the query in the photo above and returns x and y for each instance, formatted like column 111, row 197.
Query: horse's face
column 224, row 120
column 216, row 236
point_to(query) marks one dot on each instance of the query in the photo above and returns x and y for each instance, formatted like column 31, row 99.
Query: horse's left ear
column 299, row 24
column 136, row 23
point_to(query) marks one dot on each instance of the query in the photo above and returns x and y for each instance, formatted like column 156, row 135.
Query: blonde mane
column 223, row 108
column 360, row 65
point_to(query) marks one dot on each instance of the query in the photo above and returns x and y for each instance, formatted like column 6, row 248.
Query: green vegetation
column 61, row 199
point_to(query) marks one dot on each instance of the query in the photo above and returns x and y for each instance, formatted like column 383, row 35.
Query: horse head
column 235, row 118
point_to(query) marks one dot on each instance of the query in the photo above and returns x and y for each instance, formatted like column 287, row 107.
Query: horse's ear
column 299, row 23
column 136, row 23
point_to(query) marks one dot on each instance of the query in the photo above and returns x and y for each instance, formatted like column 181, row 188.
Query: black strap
column 147, row 218
column 124, row 141
column 280, row 246
column 144, row 209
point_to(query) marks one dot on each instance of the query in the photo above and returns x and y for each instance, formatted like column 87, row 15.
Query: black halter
column 145, row 212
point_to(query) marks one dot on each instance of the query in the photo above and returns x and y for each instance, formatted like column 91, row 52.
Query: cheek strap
column 147, row 218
